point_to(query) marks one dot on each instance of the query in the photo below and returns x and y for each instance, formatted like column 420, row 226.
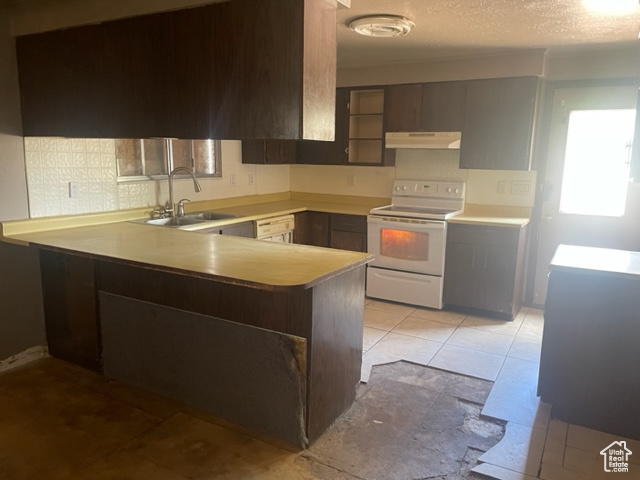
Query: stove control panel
column 418, row 188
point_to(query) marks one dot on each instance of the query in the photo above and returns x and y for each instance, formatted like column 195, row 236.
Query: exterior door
column 587, row 197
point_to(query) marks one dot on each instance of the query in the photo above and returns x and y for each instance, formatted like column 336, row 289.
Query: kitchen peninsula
column 265, row 335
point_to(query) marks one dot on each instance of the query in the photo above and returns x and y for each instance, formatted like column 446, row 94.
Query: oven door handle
column 404, row 222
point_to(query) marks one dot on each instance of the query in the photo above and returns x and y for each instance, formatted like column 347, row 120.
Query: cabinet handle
column 346, row 150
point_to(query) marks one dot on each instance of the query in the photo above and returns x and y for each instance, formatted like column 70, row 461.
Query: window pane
column 129, row 157
column 181, row 150
column 596, row 166
column 154, row 157
column 206, row 154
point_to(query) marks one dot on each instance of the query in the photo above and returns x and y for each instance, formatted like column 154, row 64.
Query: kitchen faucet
column 170, row 208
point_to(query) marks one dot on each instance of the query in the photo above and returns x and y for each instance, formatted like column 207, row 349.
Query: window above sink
column 137, row 158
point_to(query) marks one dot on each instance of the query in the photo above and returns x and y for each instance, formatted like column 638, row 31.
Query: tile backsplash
column 55, row 164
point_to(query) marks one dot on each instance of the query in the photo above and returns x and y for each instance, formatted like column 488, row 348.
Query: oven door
column 407, row 244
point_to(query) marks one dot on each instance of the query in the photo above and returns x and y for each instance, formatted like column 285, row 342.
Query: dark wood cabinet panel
column 333, row 152
column 403, row 108
column 356, row 242
column 443, row 105
column 334, row 230
column 225, row 70
column 70, row 308
column 498, row 123
column 269, row 152
column 590, row 342
column 312, row 228
column 484, row 268
column 348, row 232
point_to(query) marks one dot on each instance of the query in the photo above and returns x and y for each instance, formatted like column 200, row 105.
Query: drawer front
column 349, row 223
column 483, row 235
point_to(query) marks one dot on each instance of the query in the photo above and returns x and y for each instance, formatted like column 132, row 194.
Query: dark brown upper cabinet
column 403, row 107
column 231, row 70
column 269, row 152
column 443, row 106
column 498, row 123
column 425, row 107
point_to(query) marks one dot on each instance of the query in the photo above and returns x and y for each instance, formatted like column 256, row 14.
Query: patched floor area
column 411, row 422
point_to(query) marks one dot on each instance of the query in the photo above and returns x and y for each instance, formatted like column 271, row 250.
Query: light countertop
column 493, row 215
column 229, row 259
column 604, row 261
column 224, row 258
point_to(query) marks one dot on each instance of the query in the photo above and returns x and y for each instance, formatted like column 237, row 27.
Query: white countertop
column 607, row 261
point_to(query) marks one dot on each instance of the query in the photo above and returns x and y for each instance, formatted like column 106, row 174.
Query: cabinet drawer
column 483, row 235
column 349, row 223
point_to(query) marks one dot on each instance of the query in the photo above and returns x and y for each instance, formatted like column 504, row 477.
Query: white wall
column 13, row 188
column 488, row 187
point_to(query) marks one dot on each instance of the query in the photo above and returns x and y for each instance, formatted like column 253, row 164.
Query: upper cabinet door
column 443, row 105
column 227, row 70
column 403, row 107
column 498, row 123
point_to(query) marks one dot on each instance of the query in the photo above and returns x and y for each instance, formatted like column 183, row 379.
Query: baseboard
column 29, row 355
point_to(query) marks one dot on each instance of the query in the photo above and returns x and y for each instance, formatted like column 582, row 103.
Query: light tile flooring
column 58, row 421
column 508, row 353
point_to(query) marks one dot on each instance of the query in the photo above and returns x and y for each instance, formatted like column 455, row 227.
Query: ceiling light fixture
column 382, row 26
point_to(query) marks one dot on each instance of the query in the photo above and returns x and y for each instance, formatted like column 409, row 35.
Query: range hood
column 434, row 140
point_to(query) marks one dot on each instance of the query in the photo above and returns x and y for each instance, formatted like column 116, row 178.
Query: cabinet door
column 279, row 152
column 484, row 268
column 356, row 242
column 329, row 153
column 70, row 308
column 498, row 123
column 402, row 108
column 443, row 105
column 311, row 228
column 348, row 232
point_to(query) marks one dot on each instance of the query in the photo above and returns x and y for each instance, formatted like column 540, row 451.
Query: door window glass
column 596, row 164
column 404, row 244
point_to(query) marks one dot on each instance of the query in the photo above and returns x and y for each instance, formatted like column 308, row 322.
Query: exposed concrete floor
column 59, row 421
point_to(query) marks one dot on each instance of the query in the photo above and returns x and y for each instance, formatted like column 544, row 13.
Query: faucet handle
column 181, row 206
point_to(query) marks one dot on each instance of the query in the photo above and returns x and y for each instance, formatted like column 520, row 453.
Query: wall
column 611, row 62
column 13, row 191
column 504, row 64
column 487, row 187
column 91, row 163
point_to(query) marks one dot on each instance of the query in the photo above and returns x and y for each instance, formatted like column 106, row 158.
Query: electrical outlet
column 520, row 187
column 351, row 180
column 74, row 191
column 252, row 179
column 232, row 179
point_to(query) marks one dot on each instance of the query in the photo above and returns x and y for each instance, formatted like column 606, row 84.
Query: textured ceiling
column 454, row 28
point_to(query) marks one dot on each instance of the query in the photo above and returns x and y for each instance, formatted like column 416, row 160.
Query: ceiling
column 459, row 28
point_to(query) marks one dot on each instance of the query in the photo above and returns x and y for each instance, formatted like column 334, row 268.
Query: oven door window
column 404, row 244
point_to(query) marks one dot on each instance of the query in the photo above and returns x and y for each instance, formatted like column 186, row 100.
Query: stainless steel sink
column 175, row 221
column 209, row 216
column 189, row 219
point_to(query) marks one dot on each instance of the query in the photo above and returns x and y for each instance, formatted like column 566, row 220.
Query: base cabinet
column 334, row 230
column 484, row 268
column 70, row 308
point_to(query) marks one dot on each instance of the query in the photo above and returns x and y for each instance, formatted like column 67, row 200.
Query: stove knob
column 397, row 188
column 404, row 187
column 449, row 190
column 457, row 190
